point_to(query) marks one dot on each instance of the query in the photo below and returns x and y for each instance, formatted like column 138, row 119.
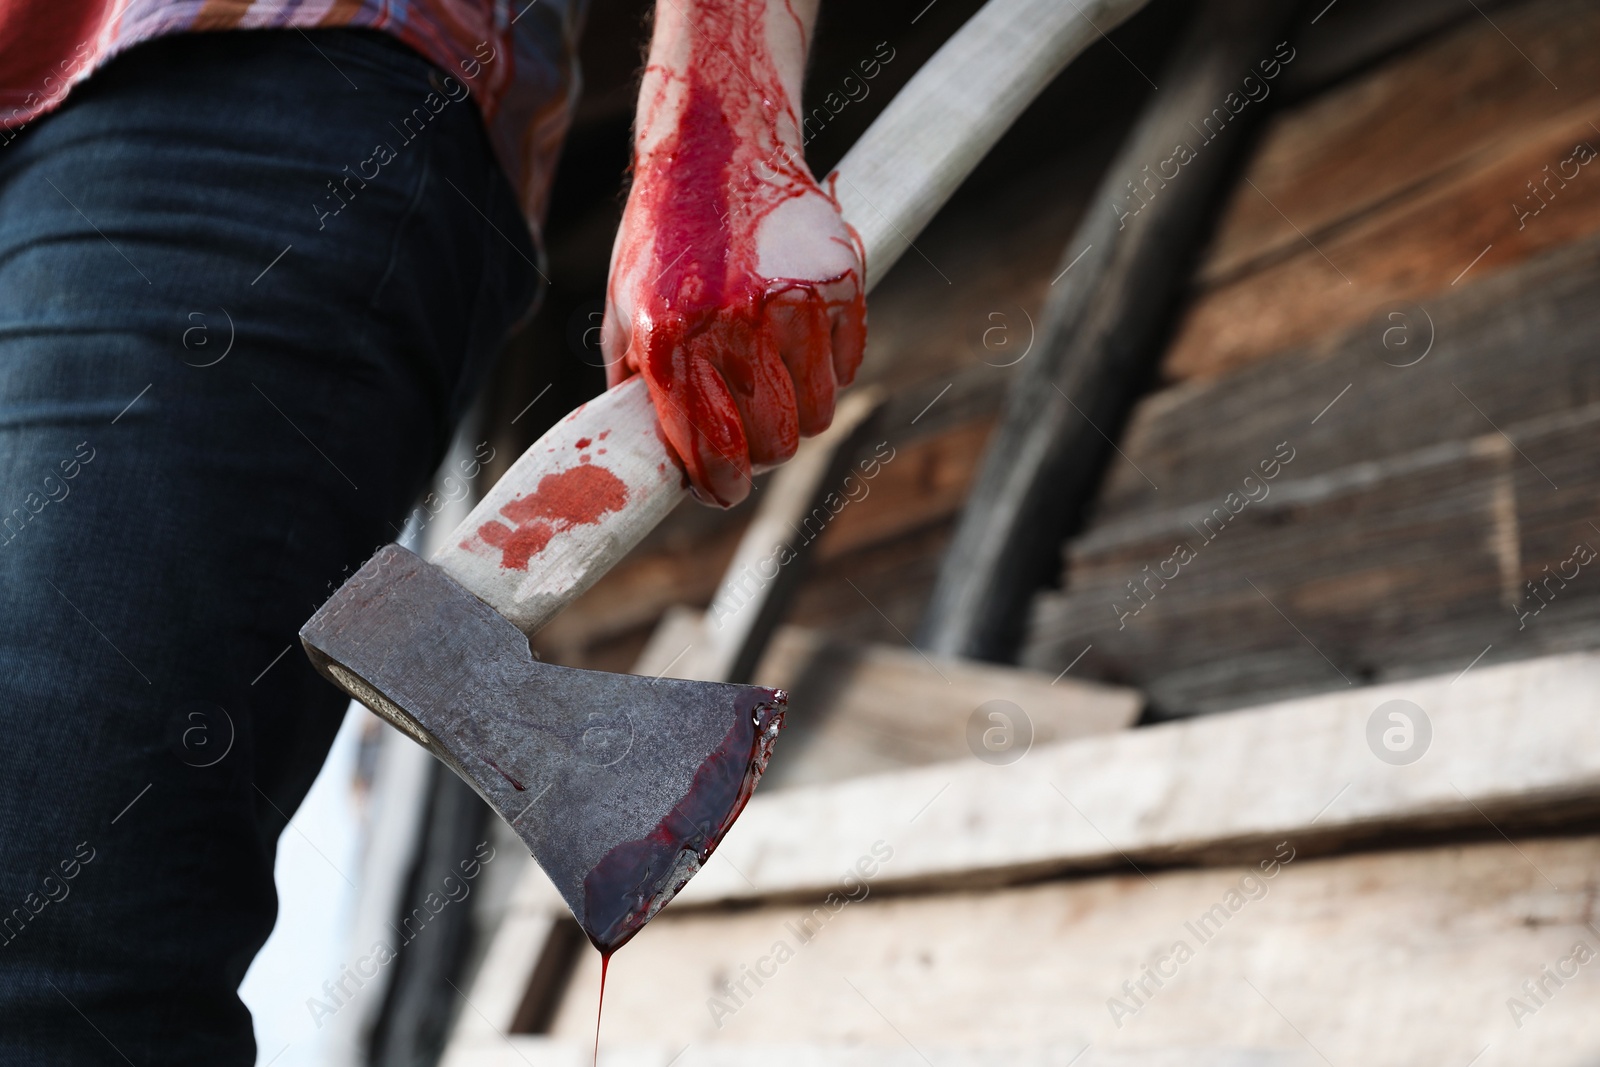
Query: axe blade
column 621, row 786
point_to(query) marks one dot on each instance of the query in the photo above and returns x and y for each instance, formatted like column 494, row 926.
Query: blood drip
column 635, row 879
column 605, row 962
column 701, row 336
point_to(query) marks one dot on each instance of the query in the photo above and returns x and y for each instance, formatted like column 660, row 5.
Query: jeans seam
column 400, row 229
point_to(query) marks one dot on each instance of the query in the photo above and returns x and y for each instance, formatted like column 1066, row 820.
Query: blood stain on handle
column 579, row 496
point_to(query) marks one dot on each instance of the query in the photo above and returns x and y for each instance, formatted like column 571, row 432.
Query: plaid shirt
column 517, row 56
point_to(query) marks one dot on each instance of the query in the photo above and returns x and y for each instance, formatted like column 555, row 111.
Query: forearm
column 746, row 56
column 735, row 284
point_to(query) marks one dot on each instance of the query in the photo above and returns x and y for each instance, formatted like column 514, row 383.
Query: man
column 255, row 259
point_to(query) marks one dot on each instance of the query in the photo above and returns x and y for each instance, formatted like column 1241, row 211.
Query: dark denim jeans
column 216, row 396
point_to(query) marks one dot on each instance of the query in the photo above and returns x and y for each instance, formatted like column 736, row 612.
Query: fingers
column 704, row 427
column 759, row 384
column 849, row 337
column 800, row 326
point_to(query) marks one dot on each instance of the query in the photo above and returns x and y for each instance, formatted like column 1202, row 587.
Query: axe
column 621, row 786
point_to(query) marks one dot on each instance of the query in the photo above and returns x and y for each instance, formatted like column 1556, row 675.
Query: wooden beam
column 1416, row 949
column 1384, row 959
column 1100, row 333
column 858, row 708
column 1517, row 743
column 1392, row 191
column 796, row 507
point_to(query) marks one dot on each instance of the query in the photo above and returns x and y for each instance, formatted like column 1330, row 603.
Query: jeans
column 218, row 394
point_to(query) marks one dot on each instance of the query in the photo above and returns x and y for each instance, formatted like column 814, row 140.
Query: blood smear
column 636, row 879
column 579, row 496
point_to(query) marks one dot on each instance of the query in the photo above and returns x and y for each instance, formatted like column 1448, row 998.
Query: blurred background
column 1252, row 370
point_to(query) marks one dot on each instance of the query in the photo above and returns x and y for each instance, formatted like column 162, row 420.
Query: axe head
column 621, row 786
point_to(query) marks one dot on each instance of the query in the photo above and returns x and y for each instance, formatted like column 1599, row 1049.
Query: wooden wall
column 1386, row 302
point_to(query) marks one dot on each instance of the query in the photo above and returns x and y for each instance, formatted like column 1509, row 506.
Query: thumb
column 614, row 342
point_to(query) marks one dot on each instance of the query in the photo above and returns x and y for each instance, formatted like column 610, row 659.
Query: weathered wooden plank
column 1336, row 42
column 1512, row 747
column 1389, row 959
column 545, row 1052
column 1447, row 105
column 1519, row 345
column 1374, row 571
column 1470, row 224
column 920, row 484
column 796, row 507
column 1099, row 330
column 1515, row 741
column 518, row 1051
column 860, row 708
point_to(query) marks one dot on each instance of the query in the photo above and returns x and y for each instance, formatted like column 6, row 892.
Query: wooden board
column 1509, row 741
column 1519, row 345
column 1374, row 571
column 1419, row 246
column 857, row 709
column 1399, row 538
column 1387, row 960
column 1436, row 937
column 1414, row 207
column 1446, row 106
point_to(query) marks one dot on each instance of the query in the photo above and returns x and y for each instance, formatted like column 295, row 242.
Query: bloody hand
column 736, row 288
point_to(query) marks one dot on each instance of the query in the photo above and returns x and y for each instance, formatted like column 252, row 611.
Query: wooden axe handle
column 590, row 489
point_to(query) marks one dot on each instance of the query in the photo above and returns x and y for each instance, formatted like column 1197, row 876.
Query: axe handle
column 590, row 489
